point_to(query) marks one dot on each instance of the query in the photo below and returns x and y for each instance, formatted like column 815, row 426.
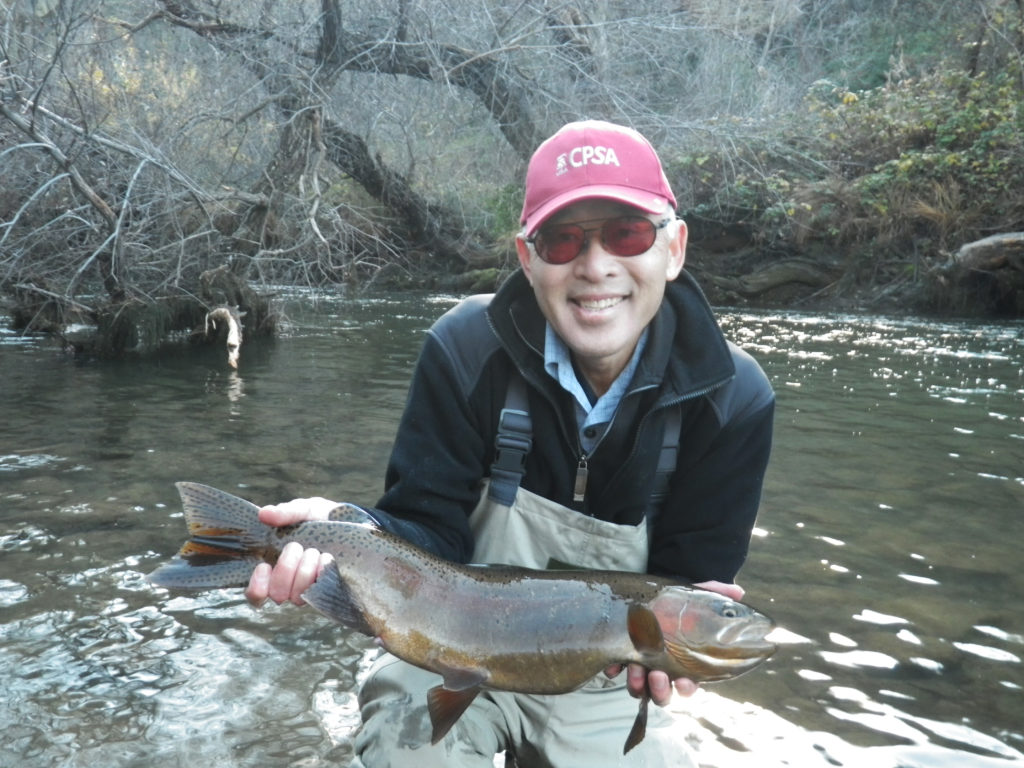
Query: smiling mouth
column 596, row 304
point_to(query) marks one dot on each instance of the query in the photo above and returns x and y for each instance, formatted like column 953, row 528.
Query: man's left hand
column 641, row 681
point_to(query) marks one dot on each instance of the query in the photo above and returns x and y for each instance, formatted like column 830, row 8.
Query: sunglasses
column 621, row 236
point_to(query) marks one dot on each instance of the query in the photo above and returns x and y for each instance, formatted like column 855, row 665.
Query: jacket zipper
column 579, row 489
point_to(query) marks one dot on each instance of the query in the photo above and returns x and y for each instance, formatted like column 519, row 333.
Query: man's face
column 598, row 303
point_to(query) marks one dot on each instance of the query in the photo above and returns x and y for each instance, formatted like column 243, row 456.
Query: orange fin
column 644, row 630
column 226, row 540
column 446, row 707
column 639, row 729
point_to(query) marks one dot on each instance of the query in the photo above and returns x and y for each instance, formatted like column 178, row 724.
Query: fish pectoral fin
column 639, row 729
column 644, row 630
column 331, row 596
column 446, row 707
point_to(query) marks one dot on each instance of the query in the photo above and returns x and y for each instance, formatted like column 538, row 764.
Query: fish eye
column 728, row 610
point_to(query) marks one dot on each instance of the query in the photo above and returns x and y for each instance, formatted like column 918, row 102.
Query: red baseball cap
column 593, row 159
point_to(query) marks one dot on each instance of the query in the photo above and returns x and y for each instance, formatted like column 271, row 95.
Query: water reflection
column 886, row 548
column 895, row 486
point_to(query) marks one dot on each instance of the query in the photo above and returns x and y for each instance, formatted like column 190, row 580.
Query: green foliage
column 942, row 150
column 915, row 166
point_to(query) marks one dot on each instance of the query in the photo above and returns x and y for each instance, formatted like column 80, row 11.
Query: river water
column 887, row 546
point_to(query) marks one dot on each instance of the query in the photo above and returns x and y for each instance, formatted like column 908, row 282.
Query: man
column 590, row 413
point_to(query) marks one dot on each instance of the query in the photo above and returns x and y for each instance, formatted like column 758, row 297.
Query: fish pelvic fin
column 644, row 630
column 226, row 541
column 639, row 729
column 330, row 595
column 446, row 707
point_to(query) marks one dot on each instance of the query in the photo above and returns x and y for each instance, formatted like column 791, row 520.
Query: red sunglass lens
column 628, row 236
column 624, row 236
column 561, row 244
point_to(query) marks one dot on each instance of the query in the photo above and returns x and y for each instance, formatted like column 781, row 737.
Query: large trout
column 496, row 627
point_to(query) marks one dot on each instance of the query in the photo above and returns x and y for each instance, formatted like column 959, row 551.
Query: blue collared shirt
column 592, row 419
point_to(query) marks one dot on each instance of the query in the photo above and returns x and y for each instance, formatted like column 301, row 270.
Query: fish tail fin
column 226, row 541
column 331, row 596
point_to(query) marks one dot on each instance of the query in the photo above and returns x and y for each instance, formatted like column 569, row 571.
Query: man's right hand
column 296, row 569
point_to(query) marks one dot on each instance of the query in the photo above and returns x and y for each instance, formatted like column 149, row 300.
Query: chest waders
column 513, row 526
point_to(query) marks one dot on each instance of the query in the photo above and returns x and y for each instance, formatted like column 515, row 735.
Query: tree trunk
column 430, row 228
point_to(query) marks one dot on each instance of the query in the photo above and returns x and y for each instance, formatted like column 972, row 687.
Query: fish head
column 709, row 636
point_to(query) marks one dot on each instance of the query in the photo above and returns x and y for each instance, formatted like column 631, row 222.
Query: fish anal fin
column 644, row 630
column 446, row 707
column 639, row 729
column 330, row 595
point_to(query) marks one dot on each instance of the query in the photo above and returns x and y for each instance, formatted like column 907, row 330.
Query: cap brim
column 637, row 198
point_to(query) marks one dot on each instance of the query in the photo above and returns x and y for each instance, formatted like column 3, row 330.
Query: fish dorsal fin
column 644, row 630
column 350, row 513
column 330, row 595
column 446, row 707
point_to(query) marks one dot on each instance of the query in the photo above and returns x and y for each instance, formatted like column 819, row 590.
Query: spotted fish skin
column 495, row 627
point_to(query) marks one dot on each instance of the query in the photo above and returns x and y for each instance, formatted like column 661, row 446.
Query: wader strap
column 666, row 462
column 512, row 444
column 515, row 438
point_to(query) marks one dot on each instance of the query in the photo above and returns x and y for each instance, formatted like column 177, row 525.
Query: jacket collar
column 686, row 353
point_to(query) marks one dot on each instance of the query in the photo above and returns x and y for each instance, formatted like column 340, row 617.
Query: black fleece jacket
column 445, row 442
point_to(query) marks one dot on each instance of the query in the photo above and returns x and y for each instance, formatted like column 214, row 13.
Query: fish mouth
column 750, row 637
column 732, row 664
column 734, row 658
column 739, row 654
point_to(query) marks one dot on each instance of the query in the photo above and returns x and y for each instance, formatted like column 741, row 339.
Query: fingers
column 659, row 687
column 259, row 584
column 685, row 687
column 640, row 681
column 656, row 684
column 297, row 511
column 296, row 569
column 732, row 591
column 636, row 680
